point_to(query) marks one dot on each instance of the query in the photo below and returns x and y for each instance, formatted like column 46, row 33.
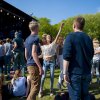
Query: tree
column 92, row 26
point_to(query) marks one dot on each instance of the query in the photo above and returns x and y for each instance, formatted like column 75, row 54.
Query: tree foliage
column 92, row 26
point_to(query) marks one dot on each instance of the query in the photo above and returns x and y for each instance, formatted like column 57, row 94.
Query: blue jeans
column 19, row 61
column 1, row 64
column 46, row 65
column 95, row 68
column 7, row 64
column 78, row 87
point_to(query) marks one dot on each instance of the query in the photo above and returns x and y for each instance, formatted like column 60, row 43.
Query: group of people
column 74, row 56
column 11, row 51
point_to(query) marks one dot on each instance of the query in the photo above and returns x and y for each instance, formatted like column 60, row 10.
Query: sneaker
column 40, row 94
column 59, row 86
column 51, row 93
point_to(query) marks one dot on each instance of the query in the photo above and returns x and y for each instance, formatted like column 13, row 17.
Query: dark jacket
column 78, row 50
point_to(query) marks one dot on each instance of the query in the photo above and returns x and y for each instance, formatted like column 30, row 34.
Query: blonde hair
column 7, row 40
column 95, row 40
column 60, row 39
column 33, row 25
column 17, row 74
column 0, row 41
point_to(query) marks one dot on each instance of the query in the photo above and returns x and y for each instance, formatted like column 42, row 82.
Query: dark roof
column 15, row 11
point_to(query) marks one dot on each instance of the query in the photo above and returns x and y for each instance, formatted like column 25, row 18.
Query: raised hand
column 62, row 24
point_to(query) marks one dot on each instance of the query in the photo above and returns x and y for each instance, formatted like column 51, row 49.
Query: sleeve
column 25, row 43
column 67, row 48
column 35, row 41
column 90, row 48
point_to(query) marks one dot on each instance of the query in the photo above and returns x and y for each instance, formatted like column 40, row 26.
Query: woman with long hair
column 19, row 84
column 49, row 52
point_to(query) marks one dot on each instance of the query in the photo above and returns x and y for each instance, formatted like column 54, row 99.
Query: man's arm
column 25, row 53
column 65, row 71
column 40, row 56
column 67, row 54
column 65, row 67
column 36, row 59
column 15, row 46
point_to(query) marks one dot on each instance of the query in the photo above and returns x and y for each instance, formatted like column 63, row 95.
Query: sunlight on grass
column 94, row 88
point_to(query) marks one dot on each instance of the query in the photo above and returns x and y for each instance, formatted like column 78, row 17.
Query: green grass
column 94, row 88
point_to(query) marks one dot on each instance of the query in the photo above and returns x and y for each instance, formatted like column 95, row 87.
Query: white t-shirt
column 49, row 50
column 8, row 48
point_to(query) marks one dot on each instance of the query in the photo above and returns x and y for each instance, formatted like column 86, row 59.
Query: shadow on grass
column 95, row 89
column 47, row 91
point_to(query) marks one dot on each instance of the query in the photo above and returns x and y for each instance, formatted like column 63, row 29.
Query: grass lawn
column 94, row 88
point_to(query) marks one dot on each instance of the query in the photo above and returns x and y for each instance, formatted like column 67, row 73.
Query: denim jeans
column 61, row 68
column 7, row 64
column 46, row 65
column 1, row 64
column 78, row 87
column 19, row 62
column 95, row 68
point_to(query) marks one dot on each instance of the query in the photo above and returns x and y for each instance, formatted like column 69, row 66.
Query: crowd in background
column 12, row 59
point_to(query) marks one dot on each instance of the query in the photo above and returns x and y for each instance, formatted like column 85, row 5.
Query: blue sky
column 57, row 10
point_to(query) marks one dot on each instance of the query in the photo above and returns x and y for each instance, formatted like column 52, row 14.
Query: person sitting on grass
column 18, row 84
